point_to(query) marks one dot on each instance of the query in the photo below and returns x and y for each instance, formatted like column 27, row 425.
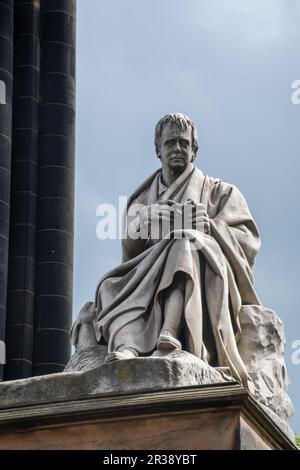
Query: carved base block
column 219, row 416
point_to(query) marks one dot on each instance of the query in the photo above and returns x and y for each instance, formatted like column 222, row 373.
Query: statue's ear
column 195, row 154
column 157, row 150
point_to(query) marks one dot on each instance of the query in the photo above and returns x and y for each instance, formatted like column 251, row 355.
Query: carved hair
column 182, row 121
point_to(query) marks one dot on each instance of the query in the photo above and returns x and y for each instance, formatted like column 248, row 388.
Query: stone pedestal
column 144, row 403
column 216, row 417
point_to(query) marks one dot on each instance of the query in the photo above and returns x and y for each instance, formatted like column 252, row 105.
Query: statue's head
column 176, row 133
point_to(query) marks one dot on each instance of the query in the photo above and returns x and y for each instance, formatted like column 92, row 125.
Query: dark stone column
column 21, row 272
column 6, row 77
column 54, row 268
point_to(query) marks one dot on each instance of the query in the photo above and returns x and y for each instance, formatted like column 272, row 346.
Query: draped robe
column 217, row 275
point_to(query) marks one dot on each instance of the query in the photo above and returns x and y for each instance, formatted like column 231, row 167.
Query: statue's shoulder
column 218, row 185
column 217, row 190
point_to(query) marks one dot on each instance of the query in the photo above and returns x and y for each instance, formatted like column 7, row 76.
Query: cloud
column 255, row 24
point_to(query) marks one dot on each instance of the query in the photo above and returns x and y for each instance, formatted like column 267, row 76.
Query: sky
column 229, row 65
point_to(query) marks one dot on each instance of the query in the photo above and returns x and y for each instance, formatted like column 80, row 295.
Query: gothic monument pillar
column 37, row 132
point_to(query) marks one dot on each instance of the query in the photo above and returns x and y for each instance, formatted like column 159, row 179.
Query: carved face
column 176, row 150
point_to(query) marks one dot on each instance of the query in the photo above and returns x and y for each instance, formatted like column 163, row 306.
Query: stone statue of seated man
column 185, row 281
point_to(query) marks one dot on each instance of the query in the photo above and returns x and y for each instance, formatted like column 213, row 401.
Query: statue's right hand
column 163, row 215
column 86, row 316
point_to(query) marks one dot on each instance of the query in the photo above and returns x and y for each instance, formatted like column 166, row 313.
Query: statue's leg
column 173, row 314
column 123, row 346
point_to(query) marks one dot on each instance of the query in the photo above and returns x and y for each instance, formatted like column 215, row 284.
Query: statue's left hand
column 200, row 219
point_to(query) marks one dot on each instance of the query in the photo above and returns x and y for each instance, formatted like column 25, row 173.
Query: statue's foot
column 162, row 352
column 119, row 355
column 167, row 341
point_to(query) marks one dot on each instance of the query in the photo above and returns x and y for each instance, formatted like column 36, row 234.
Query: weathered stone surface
column 220, row 416
column 178, row 369
column 262, row 349
column 92, row 357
